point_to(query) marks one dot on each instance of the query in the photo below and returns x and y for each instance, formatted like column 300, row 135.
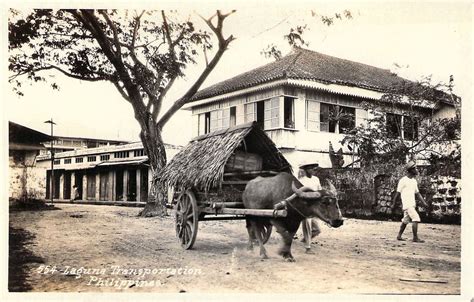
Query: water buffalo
column 301, row 203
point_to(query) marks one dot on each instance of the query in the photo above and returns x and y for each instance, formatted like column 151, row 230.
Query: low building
column 108, row 173
column 26, row 179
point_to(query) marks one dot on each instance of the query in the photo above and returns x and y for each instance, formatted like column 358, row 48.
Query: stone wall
column 368, row 193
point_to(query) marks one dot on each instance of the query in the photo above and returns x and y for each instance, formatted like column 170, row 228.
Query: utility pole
column 52, row 159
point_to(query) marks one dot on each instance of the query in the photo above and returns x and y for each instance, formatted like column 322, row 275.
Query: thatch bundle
column 201, row 163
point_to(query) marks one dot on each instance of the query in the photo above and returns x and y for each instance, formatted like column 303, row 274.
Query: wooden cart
column 210, row 174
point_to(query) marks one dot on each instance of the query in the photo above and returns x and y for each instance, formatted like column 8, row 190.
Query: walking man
column 408, row 189
column 307, row 177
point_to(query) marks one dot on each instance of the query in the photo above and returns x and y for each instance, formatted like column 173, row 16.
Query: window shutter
column 240, row 114
column 361, row 117
column 202, row 123
column 312, row 116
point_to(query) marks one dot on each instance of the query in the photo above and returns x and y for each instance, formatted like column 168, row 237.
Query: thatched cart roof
column 201, row 163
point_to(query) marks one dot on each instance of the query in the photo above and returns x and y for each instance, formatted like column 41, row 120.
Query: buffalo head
column 321, row 204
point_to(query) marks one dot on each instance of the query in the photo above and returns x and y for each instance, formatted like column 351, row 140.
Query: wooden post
column 125, row 185
column 139, row 184
column 61, row 186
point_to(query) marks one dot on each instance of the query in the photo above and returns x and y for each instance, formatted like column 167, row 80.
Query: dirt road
column 89, row 248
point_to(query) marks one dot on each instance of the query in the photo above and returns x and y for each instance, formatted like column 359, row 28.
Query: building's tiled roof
column 309, row 65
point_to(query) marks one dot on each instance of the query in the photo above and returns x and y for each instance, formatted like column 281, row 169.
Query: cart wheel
column 266, row 232
column 186, row 219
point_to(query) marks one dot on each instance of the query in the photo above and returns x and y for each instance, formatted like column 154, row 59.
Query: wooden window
column 105, row 157
column 400, row 126
column 215, row 117
column 312, row 116
column 207, row 122
column 57, row 161
column 289, row 113
column 67, row 161
column 250, row 112
column 91, row 158
column 346, row 119
column 394, row 125
column 225, row 122
column 336, row 118
column 220, row 119
column 79, row 160
column 272, row 113
column 410, row 128
column 121, row 154
column 233, row 118
column 138, row 153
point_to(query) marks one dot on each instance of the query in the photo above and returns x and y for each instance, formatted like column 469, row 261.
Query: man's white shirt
column 407, row 187
column 312, row 182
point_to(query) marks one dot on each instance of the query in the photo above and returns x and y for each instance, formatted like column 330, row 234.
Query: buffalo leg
column 251, row 233
column 256, row 225
column 287, row 237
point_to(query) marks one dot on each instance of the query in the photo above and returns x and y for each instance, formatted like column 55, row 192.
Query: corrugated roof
column 310, row 65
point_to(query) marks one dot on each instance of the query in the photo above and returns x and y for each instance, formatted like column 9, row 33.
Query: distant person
column 75, row 193
column 307, row 177
column 408, row 189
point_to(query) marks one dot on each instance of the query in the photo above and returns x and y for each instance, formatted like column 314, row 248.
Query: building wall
column 26, row 179
column 299, row 142
column 368, row 193
column 445, row 112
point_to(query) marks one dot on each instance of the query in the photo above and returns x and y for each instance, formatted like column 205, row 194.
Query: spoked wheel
column 266, row 232
column 186, row 219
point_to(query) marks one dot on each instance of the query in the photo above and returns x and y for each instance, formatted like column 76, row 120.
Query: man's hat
column 410, row 165
column 308, row 165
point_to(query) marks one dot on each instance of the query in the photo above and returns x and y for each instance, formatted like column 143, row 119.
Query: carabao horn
column 332, row 188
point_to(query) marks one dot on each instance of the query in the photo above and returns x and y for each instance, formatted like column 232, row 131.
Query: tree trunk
column 155, row 149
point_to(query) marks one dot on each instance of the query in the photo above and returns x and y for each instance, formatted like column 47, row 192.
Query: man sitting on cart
column 307, row 177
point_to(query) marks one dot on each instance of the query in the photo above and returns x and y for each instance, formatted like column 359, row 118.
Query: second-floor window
column 219, row 119
column 272, row 113
column 401, row 126
column 267, row 113
column 91, row 158
column 138, row 153
column 329, row 117
column 121, row 154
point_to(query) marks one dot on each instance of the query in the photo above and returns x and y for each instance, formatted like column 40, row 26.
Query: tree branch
column 121, row 91
column 66, row 73
column 135, row 30
column 114, row 31
column 159, row 102
column 223, row 44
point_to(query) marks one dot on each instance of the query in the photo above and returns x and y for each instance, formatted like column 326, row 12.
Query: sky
column 427, row 38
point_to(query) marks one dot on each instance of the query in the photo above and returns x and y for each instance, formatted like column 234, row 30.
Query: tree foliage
column 141, row 53
column 402, row 125
column 296, row 35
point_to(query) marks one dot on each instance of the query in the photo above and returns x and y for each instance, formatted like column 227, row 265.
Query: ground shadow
column 19, row 257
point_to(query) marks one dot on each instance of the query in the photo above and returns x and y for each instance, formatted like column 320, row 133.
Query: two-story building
column 297, row 99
